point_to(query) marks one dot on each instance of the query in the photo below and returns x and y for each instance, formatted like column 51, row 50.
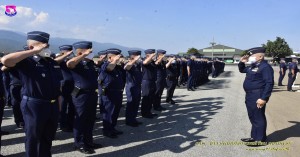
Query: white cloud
column 25, row 16
column 39, row 18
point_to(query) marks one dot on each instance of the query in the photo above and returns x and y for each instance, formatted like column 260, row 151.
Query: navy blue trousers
column 148, row 92
column 281, row 77
column 85, row 105
column 16, row 98
column 290, row 82
column 67, row 112
column 171, row 85
column 41, row 120
column 133, row 93
column 112, row 103
column 2, row 105
column 160, row 86
column 190, row 82
column 256, row 116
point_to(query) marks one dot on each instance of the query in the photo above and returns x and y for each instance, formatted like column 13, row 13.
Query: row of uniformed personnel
column 67, row 86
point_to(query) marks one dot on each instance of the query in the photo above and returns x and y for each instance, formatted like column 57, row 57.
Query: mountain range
column 11, row 41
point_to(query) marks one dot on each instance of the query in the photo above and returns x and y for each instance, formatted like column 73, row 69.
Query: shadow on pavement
column 281, row 135
column 175, row 130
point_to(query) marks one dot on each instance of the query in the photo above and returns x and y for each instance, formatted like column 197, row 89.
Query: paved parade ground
column 207, row 122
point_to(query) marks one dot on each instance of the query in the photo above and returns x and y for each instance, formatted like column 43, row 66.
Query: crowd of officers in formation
column 66, row 88
column 293, row 71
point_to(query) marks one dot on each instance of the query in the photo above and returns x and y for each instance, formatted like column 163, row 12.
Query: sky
column 173, row 25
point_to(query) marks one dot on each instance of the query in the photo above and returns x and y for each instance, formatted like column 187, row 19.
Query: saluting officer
column 160, row 80
column 258, row 86
column 293, row 70
column 84, row 96
column 15, row 94
column 112, row 92
column 2, row 99
column 67, row 112
column 40, row 76
column 171, row 78
column 133, row 87
column 148, row 83
column 190, row 71
column 282, row 70
column 99, row 62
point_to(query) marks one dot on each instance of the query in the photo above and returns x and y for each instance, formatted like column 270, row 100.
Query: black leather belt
column 254, row 90
column 37, row 99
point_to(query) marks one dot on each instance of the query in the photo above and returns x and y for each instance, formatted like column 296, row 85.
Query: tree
column 192, row 51
column 243, row 53
column 278, row 48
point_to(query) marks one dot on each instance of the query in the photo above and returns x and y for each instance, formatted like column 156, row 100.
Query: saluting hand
column 117, row 57
column 39, row 47
column 244, row 58
column 137, row 58
column 87, row 52
column 260, row 103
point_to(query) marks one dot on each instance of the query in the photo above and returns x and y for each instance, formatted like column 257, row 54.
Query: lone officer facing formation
column 293, row 70
column 84, row 96
column 40, row 76
column 258, row 86
column 282, row 70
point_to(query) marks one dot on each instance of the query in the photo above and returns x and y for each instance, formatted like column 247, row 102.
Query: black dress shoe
column 172, row 102
column 4, row 133
column 85, row 150
column 247, row 140
column 95, row 145
column 66, row 129
column 21, row 125
column 256, row 144
column 191, row 89
column 160, row 108
column 150, row 116
column 132, row 124
column 117, row 132
column 109, row 134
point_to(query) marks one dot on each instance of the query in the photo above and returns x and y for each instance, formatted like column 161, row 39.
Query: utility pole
column 212, row 48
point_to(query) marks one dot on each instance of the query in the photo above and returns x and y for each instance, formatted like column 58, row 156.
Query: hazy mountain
column 12, row 41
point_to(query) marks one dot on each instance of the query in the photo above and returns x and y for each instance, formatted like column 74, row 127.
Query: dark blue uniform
column 258, row 84
column 84, row 98
column 6, row 80
column 282, row 70
column 191, row 65
column 160, row 84
column 2, row 99
column 112, row 83
column 148, row 88
column 41, row 87
column 171, row 80
column 133, row 92
column 67, row 112
column 292, row 66
column 15, row 90
column 183, row 72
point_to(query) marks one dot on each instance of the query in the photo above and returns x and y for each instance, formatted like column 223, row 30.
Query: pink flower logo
column 11, row 10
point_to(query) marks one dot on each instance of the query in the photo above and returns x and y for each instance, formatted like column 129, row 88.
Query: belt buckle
column 53, row 101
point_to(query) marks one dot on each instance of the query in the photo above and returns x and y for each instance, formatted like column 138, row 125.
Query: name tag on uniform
column 255, row 69
column 56, row 66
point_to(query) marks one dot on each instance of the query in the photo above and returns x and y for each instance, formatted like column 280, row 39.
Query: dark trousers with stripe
column 85, row 114
column 256, row 116
column 41, row 120
column 133, row 93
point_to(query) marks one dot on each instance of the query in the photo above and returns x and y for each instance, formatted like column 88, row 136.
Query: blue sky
column 173, row 25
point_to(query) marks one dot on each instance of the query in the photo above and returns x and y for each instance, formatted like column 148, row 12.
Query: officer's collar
column 36, row 58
